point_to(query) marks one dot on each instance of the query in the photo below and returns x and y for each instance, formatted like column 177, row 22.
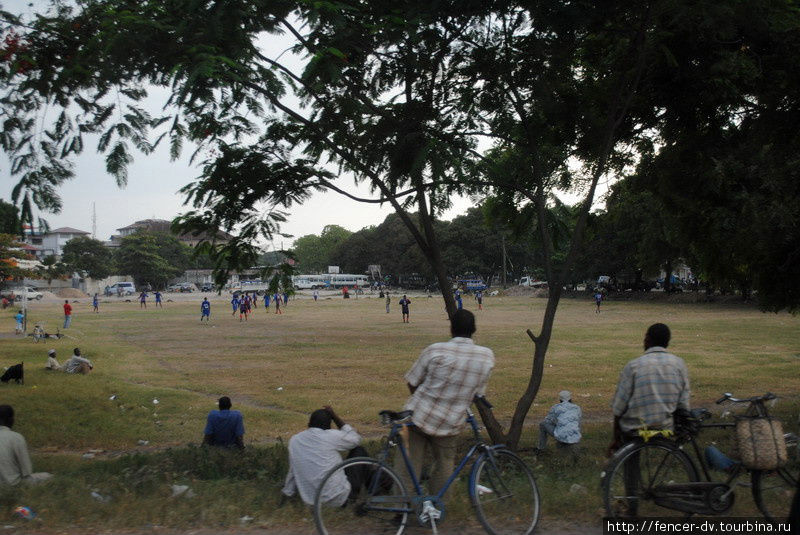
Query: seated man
column 78, row 364
column 15, row 463
column 563, row 422
column 224, row 428
column 313, row 452
column 52, row 363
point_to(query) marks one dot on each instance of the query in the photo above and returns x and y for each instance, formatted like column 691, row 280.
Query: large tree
column 152, row 257
column 88, row 255
column 393, row 95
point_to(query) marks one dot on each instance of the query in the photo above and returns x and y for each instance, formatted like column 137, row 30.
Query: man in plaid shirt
column 443, row 381
column 650, row 388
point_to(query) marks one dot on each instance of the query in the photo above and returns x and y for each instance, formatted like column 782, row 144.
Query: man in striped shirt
column 443, row 381
column 650, row 388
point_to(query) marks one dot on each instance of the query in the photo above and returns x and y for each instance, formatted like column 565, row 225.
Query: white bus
column 329, row 280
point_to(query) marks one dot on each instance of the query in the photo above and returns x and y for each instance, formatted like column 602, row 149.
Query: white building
column 53, row 241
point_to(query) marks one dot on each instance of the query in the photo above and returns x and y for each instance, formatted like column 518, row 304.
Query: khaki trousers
column 443, row 451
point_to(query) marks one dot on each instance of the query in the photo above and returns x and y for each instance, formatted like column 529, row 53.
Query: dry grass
column 352, row 355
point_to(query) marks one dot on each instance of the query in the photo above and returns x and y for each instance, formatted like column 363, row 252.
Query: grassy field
column 346, row 353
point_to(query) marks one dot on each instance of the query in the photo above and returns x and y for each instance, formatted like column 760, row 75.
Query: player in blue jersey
column 205, row 310
column 95, row 304
column 157, row 295
column 235, row 304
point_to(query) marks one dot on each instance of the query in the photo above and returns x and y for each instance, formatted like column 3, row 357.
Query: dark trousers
column 361, row 476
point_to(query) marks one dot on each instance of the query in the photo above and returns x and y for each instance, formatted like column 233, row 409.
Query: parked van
column 122, row 288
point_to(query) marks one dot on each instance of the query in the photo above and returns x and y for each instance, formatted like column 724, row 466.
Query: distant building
column 52, row 242
column 162, row 225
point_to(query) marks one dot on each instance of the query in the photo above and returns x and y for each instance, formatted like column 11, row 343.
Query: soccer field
column 352, row 355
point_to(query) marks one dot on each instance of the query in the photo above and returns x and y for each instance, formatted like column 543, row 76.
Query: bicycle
column 655, row 477
column 501, row 487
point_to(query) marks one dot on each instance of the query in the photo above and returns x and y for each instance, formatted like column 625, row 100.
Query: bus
column 329, row 280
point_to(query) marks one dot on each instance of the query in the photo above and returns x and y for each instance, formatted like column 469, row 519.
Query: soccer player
column 235, row 304
column 158, row 299
column 404, row 302
column 479, row 299
column 143, row 300
column 278, row 304
column 205, row 310
column 95, row 304
column 266, row 302
column 598, row 299
column 243, row 310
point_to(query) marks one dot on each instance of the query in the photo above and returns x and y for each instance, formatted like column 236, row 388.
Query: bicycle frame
column 418, row 495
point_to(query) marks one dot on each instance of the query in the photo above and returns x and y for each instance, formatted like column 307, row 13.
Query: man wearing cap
column 563, row 422
column 52, row 363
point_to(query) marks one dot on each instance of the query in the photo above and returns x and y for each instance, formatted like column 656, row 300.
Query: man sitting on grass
column 52, row 362
column 563, row 422
column 313, row 452
column 78, row 364
column 15, row 463
column 224, row 428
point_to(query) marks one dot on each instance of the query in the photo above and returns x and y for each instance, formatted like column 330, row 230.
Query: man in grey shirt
column 78, row 364
column 15, row 463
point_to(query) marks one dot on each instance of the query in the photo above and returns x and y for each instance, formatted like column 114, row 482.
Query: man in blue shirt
column 563, row 422
column 224, row 428
column 235, row 304
column 95, row 304
column 158, row 299
column 205, row 310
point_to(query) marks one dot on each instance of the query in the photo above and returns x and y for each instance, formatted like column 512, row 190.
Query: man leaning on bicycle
column 650, row 389
column 443, row 381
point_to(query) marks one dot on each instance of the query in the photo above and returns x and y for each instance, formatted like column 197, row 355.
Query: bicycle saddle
column 390, row 417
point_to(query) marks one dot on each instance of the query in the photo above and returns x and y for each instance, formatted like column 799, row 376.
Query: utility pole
column 503, row 244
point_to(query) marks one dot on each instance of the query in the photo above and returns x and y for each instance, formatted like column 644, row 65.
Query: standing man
column 598, row 299
column 404, row 302
column 157, row 295
column 243, row 310
column 315, row 293
column 143, row 299
column 67, row 314
column 266, row 302
column 20, row 318
column 459, row 302
column 95, row 304
column 443, row 382
column 479, row 299
column 224, row 427
column 388, row 301
column 205, row 310
column 235, row 304
column 650, row 388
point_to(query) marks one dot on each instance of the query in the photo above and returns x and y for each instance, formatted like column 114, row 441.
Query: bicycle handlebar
column 727, row 396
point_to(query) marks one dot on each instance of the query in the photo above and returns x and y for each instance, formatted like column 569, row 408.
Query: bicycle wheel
column 504, row 494
column 773, row 490
column 636, row 470
column 377, row 503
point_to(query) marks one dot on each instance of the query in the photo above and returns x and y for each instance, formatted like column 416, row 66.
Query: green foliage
column 9, row 219
column 84, row 254
column 152, row 257
column 52, row 268
column 10, row 251
column 315, row 253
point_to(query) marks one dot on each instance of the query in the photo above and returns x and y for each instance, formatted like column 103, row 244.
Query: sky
column 154, row 181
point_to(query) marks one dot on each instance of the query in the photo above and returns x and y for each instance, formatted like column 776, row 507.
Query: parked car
column 21, row 292
column 207, row 287
column 122, row 288
column 187, row 287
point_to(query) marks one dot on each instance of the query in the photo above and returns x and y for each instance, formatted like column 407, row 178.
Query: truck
column 532, row 282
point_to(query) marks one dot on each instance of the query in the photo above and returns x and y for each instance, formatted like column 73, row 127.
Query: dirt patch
column 70, row 292
column 525, row 291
